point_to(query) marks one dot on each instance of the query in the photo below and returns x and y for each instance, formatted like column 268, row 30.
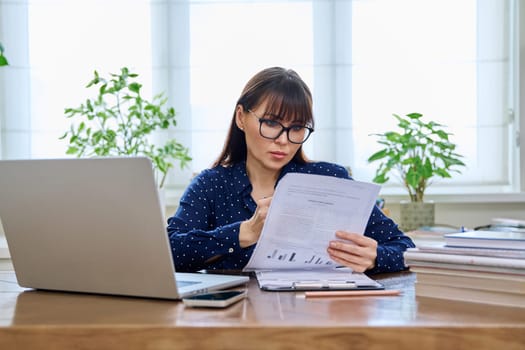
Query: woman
column 222, row 212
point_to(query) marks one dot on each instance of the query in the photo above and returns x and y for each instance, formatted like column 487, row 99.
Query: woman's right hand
column 251, row 229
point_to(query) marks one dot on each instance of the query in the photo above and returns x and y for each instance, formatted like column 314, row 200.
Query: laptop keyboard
column 186, row 283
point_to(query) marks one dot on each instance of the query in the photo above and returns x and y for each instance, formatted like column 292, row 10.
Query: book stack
column 475, row 266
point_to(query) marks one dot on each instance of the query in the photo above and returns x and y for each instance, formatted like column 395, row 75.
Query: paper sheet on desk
column 305, row 212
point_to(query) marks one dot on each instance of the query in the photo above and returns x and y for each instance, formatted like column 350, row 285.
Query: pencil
column 356, row 293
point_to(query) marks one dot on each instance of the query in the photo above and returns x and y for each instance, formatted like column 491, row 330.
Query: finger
column 263, row 205
column 356, row 266
column 344, row 256
column 356, row 238
column 346, row 235
column 348, row 259
column 265, row 201
column 345, row 250
column 343, row 246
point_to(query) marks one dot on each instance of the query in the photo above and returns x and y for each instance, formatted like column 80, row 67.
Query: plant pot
column 416, row 214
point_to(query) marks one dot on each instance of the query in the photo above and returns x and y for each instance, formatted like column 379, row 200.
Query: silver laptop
column 93, row 225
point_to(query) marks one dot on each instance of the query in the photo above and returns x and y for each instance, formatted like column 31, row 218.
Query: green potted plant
column 120, row 122
column 3, row 59
column 416, row 153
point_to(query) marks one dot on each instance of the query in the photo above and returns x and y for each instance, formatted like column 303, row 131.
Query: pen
column 353, row 293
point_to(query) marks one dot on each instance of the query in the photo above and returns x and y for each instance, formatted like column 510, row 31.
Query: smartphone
column 214, row 299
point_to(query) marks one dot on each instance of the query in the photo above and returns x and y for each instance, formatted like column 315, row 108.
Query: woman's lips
column 279, row 155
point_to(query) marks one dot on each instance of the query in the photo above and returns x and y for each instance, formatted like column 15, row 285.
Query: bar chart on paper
column 291, row 256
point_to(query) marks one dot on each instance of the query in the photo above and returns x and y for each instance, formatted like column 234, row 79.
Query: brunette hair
column 287, row 97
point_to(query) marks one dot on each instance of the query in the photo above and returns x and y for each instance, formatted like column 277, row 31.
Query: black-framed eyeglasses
column 272, row 129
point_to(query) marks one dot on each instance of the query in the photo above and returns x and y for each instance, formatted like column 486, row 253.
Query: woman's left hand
column 353, row 250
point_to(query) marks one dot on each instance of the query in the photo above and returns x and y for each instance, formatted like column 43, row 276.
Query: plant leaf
column 417, row 151
column 3, row 61
column 119, row 121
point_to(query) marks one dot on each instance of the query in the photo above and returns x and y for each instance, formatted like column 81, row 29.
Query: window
column 230, row 42
column 54, row 47
column 451, row 61
column 454, row 61
column 365, row 60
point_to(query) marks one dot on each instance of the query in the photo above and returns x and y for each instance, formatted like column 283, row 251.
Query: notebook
column 486, row 239
column 93, row 225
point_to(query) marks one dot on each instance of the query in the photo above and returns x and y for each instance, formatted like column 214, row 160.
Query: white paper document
column 305, row 213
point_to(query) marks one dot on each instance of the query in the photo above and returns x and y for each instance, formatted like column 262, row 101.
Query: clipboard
column 323, row 280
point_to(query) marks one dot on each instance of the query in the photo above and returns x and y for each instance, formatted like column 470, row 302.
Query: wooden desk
column 266, row 320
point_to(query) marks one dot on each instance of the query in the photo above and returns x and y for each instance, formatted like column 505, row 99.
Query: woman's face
column 263, row 152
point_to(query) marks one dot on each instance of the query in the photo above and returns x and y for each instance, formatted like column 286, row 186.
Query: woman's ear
column 239, row 116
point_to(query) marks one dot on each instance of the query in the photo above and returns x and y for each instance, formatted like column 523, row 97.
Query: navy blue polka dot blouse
column 204, row 232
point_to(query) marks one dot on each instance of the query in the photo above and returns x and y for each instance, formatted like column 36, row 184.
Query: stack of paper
column 472, row 267
column 305, row 213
